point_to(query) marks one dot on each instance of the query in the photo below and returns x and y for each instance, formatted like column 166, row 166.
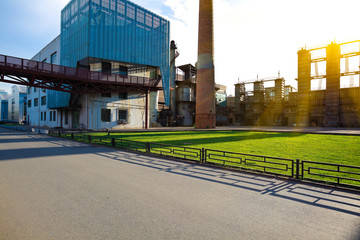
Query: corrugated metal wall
column 117, row 30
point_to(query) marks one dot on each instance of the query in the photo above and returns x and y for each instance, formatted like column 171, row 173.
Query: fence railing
column 265, row 164
column 334, row 174
column 186, row 153
column 331, row 173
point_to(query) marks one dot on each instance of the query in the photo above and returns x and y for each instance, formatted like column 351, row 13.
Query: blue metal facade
column 56, row 99
column 4, row 110
column 116, row 30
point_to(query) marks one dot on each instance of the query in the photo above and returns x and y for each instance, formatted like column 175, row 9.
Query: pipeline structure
column 330, row 104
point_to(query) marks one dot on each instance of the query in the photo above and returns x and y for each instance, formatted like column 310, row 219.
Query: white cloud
column 184, row 25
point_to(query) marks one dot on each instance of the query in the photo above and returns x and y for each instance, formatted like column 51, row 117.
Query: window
column 123, row 116
column 50, row 116
column 36, row 102
column 112, row 5
column 106, row 67
column 156, row 22
column 35, row 89
column 54, row 116
column 105, row 3
column 140, row 16
column 53, row 58
column 123, row 95
column 82, row 3
column 43, row 100
column 44, row 116
column 66, row 117
column 148, row 20
column 108, row 95
column 29, row 104
column 106, row 115
column 121, row 7
column 130, row 11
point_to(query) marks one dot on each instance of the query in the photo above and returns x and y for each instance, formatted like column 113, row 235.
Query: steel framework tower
column 205, row 90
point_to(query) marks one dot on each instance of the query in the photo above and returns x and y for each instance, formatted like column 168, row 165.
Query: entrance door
column 76, row 119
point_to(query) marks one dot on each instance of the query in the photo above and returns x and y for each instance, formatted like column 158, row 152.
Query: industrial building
column 186, row 94
column 185, row 88
column 263, row 105
column 111, row 37
column 13, row 106
column 326, row 97
column 3, row 105
column 185, row 100
column 338, row 104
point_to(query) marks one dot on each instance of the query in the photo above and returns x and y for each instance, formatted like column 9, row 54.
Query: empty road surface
column 53, row 188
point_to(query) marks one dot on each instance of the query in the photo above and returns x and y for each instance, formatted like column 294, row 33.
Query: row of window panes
column 36, row 102
column 52, row 60
column 52, row 116
column 35, row 90
column 122, row 95
column 141, row 16
column 106, row 115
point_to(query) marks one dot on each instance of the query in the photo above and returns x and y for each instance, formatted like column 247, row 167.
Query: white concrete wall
column 90, row 114
column 45, row 53
column 34, row 112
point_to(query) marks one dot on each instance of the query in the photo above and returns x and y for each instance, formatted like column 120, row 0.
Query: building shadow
column 203, row 136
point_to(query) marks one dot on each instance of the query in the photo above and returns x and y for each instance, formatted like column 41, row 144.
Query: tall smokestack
column 205, row 89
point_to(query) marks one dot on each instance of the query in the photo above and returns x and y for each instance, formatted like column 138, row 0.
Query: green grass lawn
column 312, row 147
column 333, row 149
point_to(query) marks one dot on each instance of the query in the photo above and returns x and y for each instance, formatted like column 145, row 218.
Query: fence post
column 148, row 147
column 297, row 168
column 89, row 138
column 113, row 142
column 72, row 135
column 59, row 134
column 203, row 156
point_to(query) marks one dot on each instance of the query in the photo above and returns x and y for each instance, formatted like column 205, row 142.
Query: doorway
column 76, row 119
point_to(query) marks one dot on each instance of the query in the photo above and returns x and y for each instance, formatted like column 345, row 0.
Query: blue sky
column 252, row 37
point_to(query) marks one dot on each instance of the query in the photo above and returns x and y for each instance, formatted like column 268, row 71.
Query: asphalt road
column 57, row 189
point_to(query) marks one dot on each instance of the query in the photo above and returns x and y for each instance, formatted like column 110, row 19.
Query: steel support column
column 147, row 109
column 333, row 53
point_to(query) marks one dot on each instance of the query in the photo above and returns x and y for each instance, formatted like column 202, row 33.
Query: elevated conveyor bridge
column 67, row 79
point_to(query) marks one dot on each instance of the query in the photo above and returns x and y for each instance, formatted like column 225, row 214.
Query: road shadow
column 323, row 197
column 61, row 147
